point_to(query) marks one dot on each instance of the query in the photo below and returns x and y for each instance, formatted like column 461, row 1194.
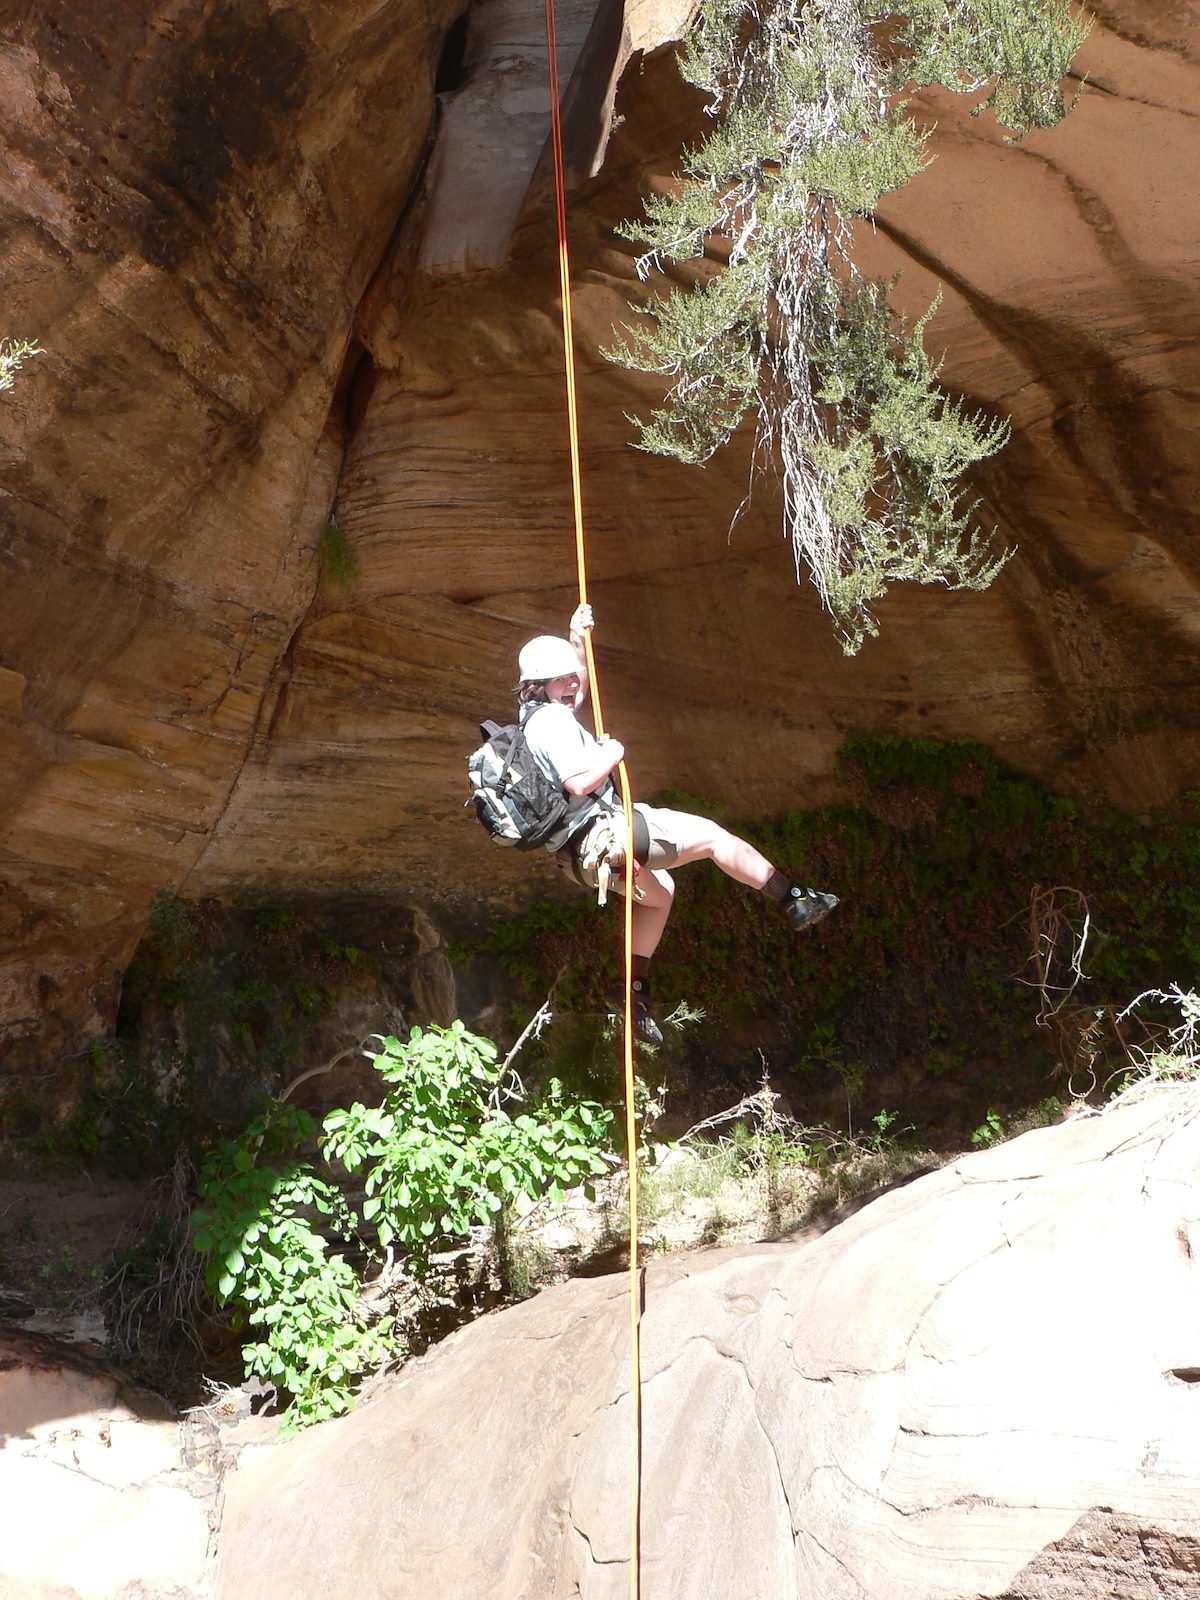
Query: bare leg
column 695, row 839
column 683, row 838
column 699, row 839
column 651, row 912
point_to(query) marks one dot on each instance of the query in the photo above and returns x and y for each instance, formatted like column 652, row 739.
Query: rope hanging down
column 564, row 273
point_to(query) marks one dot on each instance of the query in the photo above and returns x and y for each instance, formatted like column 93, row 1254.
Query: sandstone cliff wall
column 1068, row 273
column 194, row 217
column 193, row 201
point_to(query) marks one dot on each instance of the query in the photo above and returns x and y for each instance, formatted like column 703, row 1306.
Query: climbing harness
column 598, row 855
column 564, row 272
column 601, row 854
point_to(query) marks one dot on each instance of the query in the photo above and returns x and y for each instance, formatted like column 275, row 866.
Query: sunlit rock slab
column 918, row 1404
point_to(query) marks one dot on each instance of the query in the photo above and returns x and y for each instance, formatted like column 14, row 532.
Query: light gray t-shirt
column 562, row 748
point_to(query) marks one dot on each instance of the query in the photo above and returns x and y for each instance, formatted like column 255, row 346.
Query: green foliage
column 58, row 1276
column 1023, row 48
column 270, row 1260
column 990, row 1130
column 995, row 1129
column 439, row 1154
column 886, row 759
column 273, row 918
column 14, row 353
column 772, row 1176
column 351, row 954
column 923, row 978
column 516, row 942
column 335, row 559
column 811, row 132
column 1173, row 1056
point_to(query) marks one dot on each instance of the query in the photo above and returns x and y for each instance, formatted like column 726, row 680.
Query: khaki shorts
column 654, row 843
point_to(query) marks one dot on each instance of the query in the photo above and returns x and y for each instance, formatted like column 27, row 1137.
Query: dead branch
column 1060, row 924
column 328, row 1066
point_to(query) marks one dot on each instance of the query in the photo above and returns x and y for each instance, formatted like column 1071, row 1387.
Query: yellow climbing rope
column 564, row 273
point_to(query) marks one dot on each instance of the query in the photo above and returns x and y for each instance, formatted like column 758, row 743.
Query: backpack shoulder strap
column 520, row 741
column 515, row 748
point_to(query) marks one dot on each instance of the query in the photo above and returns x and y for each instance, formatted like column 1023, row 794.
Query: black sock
column 779, row 888
column 641, row 975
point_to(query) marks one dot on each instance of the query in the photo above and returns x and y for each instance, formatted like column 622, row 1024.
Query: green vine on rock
column 335, row 559
column 924, row 980
column 812, row 131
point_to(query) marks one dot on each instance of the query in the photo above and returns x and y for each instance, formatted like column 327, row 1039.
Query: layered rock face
column 195, row 208
column 1069, row 303
column 983, row 1383
column 193, row 202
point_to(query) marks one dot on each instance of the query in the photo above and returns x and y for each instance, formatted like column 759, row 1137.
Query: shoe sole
column 651, row 1035
column 830, row 903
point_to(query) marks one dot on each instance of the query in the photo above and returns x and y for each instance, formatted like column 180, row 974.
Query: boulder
column 984, row 1383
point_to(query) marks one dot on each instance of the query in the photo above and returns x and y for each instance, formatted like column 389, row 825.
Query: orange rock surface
column 194, row 224
column 192, row 207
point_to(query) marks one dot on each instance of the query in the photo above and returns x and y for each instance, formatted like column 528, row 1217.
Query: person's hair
column 530, row 690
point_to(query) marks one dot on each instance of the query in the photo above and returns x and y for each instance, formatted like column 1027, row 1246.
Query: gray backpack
column 514, row 799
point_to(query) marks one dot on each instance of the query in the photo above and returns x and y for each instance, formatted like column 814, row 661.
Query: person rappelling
column 574, row 811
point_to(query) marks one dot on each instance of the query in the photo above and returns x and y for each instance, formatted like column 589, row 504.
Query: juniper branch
column 811, row 132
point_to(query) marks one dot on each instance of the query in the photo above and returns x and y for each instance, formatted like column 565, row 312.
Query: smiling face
column 562, row 691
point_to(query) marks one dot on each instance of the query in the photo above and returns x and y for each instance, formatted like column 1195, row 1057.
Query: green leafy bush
column 439, row 1154
column 265, row 1219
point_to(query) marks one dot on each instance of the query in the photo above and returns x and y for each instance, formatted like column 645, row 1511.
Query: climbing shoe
column 807, row 906
column 644, row 1025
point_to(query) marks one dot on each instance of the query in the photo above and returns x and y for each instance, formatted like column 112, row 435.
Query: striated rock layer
column 193, row 201
column 194, row 209
column 983, row 1383
column 1068, row 271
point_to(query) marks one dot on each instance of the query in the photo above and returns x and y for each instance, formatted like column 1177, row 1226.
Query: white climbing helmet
column 547, row 656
